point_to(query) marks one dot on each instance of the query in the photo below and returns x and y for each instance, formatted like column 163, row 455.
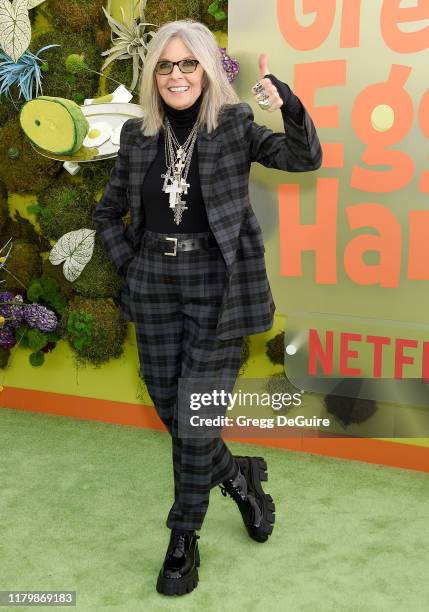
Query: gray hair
column 217, row 91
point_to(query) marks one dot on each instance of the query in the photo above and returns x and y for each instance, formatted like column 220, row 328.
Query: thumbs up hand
column 264, row 89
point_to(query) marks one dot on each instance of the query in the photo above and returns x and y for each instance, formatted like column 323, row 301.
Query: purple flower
column 13, row 313
column 40, row 317
column 230, row 65
column 7, row 337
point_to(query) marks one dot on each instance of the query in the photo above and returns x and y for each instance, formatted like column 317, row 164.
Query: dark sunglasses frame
column 178, row 64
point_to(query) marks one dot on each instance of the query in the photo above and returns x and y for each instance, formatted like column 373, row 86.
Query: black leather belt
column 171, row 245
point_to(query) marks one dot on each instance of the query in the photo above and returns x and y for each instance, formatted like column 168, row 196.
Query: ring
column 263, row 100
column 258, row 87
column 261, row 95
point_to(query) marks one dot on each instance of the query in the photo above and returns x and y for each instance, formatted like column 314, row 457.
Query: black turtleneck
column 183, row 118
column 159, row 216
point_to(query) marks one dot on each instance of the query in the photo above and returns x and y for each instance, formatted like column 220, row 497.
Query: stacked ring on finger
column 261, row 95
column 262, row 99
column 265, row 103
column 258, row 87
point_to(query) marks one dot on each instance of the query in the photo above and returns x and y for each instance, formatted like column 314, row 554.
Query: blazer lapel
column 209, row 151
column 208, row 146
column 142, row 154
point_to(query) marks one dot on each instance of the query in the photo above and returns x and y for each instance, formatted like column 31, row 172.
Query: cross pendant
column 184, row 185
column 178, row 210
column 174, row 189
column 180, row 164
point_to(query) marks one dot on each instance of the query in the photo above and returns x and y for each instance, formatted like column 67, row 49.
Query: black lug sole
column 255, row 471
column 179, row 586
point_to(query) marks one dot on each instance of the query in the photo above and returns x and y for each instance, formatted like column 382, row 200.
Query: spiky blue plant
column 25, row 73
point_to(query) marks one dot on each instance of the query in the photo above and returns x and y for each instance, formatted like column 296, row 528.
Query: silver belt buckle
column 175, row 245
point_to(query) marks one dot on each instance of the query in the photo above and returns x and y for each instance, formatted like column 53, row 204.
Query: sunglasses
column 185, row 65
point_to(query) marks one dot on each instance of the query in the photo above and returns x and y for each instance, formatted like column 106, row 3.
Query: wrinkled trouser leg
column 181, row 298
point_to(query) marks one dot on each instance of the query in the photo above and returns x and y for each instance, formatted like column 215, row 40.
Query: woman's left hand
column 270, row 89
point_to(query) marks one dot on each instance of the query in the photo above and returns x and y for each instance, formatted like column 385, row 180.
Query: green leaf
column 213, row 8
column 117, row 54
column 15, row 28
column 75, row 249
column 115, row 25
column 33, row 208
column 220, row 15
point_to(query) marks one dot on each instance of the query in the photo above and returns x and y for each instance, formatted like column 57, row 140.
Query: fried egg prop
column 98, row 133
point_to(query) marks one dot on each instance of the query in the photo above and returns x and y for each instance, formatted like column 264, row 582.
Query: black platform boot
column 256, row 507
column 179, row 574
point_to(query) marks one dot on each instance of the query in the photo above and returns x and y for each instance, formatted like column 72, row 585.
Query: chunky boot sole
column 255, row 471
column 179, row 586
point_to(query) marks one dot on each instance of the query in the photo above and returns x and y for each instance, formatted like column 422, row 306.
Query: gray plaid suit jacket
column 224, row 159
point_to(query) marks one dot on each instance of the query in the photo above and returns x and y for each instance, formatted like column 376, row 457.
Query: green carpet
column 83, row 507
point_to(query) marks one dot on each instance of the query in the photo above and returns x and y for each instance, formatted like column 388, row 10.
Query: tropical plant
column 15, row 27
column 75, row 250
column 131, row 40
column 26, row 73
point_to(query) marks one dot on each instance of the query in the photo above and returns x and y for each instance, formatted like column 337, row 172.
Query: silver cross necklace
column 178, row 160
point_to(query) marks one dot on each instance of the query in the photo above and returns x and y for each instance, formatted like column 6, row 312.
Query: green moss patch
column 21, row 168
column 95, row 329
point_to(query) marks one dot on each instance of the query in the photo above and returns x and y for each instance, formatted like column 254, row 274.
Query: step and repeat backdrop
column 347, row 245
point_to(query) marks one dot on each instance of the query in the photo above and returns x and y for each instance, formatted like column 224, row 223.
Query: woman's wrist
column 292, row 106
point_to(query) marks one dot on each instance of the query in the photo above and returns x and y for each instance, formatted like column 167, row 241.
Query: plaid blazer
column 224, row 159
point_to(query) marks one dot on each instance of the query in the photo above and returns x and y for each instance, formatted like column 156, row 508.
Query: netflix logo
column 346, row 349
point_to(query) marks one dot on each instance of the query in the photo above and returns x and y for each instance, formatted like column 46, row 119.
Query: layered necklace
column 178, row 160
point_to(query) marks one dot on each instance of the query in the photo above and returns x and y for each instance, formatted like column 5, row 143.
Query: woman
column 193, row 257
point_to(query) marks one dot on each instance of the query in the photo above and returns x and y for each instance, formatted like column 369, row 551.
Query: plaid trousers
column 180, row 297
